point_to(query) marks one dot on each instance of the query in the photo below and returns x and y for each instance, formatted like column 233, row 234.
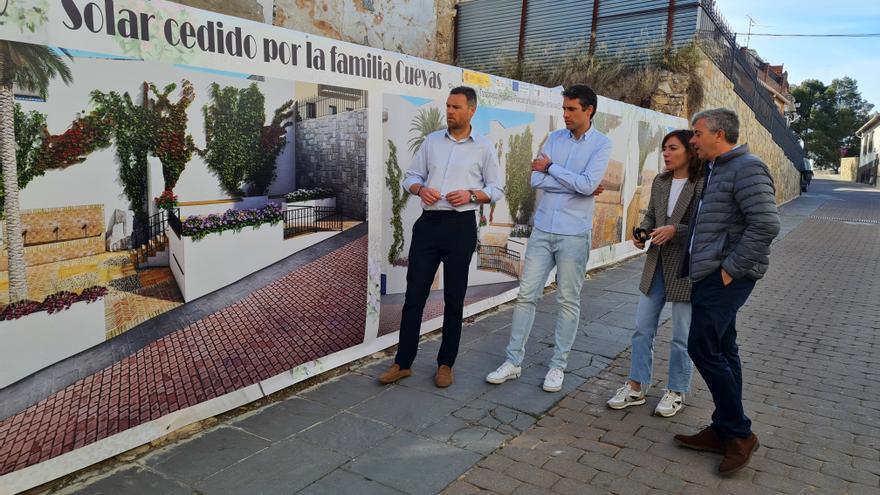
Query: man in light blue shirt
column 569, row 171
column 453, row 172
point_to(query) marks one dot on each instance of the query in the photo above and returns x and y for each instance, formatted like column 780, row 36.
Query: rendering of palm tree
column 31, row 67
column 426, row 122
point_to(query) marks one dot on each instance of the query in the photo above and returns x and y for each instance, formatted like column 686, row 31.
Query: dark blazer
column 678, row 289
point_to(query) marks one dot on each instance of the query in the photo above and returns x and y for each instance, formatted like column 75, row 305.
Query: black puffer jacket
column 737, row 220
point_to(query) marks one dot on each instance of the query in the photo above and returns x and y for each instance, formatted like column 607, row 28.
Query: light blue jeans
column 647, row 318
column 569, row 254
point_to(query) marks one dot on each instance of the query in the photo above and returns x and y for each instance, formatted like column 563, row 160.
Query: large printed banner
column 166, row 32
column 211, row 211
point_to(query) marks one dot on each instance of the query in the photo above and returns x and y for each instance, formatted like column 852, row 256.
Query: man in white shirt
column 453, row 172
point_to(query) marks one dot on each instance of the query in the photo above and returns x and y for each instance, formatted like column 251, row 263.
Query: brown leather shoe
column 393, row 374
column 706, row 440
column 443, row 378
column 738, row 454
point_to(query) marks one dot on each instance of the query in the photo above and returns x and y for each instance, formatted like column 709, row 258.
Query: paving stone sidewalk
column 808, row 338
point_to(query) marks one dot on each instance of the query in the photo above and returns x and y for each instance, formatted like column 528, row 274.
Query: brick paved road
column 809, row 339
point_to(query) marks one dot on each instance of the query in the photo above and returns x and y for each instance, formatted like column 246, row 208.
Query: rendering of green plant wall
column 239, row 149
column 155, row 126
column 517, row 185
column 399, row 197
column 172, row 145
column 272, row 141
column 37, row 151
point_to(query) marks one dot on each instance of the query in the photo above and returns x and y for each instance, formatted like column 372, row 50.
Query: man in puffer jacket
column 728, row 251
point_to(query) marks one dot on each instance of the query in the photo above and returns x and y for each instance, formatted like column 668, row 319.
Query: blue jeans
column 681, row 368
column 569, row 254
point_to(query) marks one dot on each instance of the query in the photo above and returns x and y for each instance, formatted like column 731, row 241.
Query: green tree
column 424, row 123
column 518, row 172
column 829, row 118
column 30, row 67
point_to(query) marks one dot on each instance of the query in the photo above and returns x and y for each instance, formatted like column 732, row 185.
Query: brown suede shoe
column 393, row 374
column 444, row 376
column 706, row 440
column 738, row 454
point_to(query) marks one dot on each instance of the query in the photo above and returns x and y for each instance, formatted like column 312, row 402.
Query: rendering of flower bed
column 52, row 304
column 309, row 194
column 199, row 226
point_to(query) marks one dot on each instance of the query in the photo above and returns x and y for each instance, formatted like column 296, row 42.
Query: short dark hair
column 468, row 93
column 583, row 94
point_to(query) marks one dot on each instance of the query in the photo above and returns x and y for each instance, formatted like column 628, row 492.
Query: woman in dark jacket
column 674, row 195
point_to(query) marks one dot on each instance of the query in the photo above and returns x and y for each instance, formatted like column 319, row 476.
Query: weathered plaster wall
column 255, row 10
column 422, row 28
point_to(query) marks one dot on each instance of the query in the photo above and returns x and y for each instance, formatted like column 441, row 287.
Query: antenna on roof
column 752, row 22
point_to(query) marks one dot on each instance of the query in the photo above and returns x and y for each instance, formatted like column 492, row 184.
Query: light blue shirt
column 578, row 166
column 447, row 165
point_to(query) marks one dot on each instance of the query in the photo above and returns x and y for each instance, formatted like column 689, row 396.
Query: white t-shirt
column 674, row 193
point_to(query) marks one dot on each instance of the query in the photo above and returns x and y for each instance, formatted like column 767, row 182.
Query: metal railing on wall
column 498, row 259
column 299, row 220
column 174, row 221
column 718, row 41
column 540, row 33
column 147, row 240
column 321, row 106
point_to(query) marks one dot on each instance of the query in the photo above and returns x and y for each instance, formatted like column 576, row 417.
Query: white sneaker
column 671, row 403
column 506, row 371
column 625, row 397
column 553, row 380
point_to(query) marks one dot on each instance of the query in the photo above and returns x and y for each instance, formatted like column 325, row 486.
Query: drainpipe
column 523, row 17
column 594, row 26
column 455, row 34
column 670, row 27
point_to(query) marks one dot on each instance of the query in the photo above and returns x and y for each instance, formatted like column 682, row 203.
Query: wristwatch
column 474, row 198
column 547, row 168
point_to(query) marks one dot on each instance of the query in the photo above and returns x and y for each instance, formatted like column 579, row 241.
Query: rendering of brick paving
column 307, row 314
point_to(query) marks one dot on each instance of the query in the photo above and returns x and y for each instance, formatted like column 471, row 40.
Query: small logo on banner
column 477, row 79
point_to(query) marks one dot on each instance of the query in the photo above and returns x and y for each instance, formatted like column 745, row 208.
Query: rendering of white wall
column 37, row 340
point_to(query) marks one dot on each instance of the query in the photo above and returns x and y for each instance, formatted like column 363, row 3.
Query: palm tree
column 31, row 67
column 423, row 124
